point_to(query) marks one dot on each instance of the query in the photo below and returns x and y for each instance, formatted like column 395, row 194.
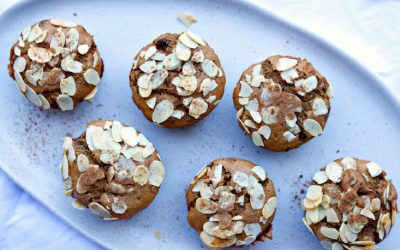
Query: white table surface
column 368, row 30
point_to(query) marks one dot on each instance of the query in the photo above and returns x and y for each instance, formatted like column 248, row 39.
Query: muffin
column 177, row 80
column 56, row 64
column 112, row 169
column 350, row 204
column 282, row 102
column 231, row 203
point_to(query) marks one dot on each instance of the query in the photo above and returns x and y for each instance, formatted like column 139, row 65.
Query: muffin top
column 231, row 203
column 56, row 64
column 350, row 204
column 177, row 80
column 112, row 169
column 282, row 102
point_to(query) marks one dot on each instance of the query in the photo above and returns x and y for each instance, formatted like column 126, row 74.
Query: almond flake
column 188, row 69
column 91, row 94
column 240, row 178
column 285, row 63
column 320, row 177
column 289, row 136
column 156, row 173
column 183, row 52
column 33, row 96
column 209, row 68
column 41, row 38
column 64, row 167
column 330, row 233
column 206, row 206
column 257, row 139
column 375, row 204
column 257, row 195
column 187, row 41
column 119, row 207
column 98, row 209
column 260, row 172
column 68, row 86
column 196, row 38
column 265, row 131
column 198, row 107
column 35, row 33
column 216, row 243
column 45, row 102
column 252, row 229
column 348, row 163
column 116, row 129
column 373, row 169
column 172, row 62
column 162, row 111
column 158, row 78
column 62, row 23
column 256, row 116
column 331, row 216
column 19, row 64
column 270, row 115
column 312, row 127
column 72, row 39
column 65, row 102
column 20, row 82
column 83, row 49
column 329, row 92
column 289, row 75
column 82, row 163
column 310, row 84
column 129, row 136
column 187, row 19
column 69, row 65
column 148, row 66
column 17, row 51
column 151, row 103
column 314, row 192
column 319, row 107
column 367, row 213
column 141, row 175
column 58, row 40
column 26, row 32
column 334, row 172
column 269, row 207
column 198, row 56
column 40, row 55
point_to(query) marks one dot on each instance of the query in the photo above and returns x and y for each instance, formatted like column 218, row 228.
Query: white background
column 367, row 29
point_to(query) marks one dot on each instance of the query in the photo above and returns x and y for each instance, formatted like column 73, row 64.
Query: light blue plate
column 364, row 121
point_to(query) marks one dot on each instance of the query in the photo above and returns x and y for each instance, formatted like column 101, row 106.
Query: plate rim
column 261, row 7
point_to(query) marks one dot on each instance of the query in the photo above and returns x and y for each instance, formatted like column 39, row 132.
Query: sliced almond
column 269, row 207
column 206, row 206
column 285, row 63
column 68, row 86
column 141, row 175
column 92, row 77
column 187, row 19
column 98, row 209
column 82, row 163
column 312, row 127
column 162, row 111
column 40, row 55
column 65, row 102
column 373, row 169
column 209, row 68
column 156, row 173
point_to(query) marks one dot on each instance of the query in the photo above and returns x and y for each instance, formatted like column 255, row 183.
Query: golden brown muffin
column 282, row 102
column 177, row 80
column 350, row 204
column 56, row 64
column 231, row 203
column 112, row 169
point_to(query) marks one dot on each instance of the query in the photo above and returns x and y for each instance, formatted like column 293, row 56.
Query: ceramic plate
column 364, row 121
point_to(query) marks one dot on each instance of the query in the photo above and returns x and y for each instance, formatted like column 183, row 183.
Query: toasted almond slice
column 156, row 173
column 92, row 77
column 162, row 111
column 285, row 63
column 187, row 19
column 65, row 102
column 270, row 207
column 99, row 210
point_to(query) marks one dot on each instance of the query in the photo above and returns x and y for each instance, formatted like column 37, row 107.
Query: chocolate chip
column 162, row 44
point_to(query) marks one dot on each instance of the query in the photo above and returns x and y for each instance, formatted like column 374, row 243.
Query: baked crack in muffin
column 177, row 80
column 56, row 64
column 112, row 169
column 282, row 102
column 350, row 204
column 231, row 203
